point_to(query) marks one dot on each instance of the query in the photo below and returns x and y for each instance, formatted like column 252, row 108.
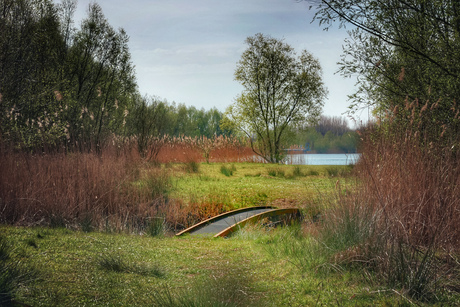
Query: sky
column 186, row 51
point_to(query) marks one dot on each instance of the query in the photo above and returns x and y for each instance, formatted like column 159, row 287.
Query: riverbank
column 82, row 263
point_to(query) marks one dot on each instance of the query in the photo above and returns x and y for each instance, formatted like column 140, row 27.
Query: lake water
column 323, row 159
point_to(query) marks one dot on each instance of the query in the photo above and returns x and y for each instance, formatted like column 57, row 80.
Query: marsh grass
column 83, row 191
column 228, row 171
column 276, row 172
column 192, row 166
column 297, row 172
column 335, row 171
column 157, row 227
column 402, row 220
column 197, row 271
column 312, row 173
column 417, row 199
column 226, row 286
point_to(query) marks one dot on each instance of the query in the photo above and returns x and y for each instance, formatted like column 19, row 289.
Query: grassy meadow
column 249, row 184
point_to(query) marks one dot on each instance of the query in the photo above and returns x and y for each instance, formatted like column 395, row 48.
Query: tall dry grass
column 403, row 221
column 114, row 189
column 414, row 182
column 95, row 191
column 219, row 149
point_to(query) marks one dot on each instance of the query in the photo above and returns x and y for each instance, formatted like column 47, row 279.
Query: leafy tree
column 399, row 49
column 280, row 91
column 101, row 79
column 330, row 135
column 31, row 56
column 149, row 123
column 60, row 85
column 336, row 124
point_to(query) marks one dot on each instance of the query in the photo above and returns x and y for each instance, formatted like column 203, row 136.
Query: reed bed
column 218, row 149
column 402, row 223
column 112, row 190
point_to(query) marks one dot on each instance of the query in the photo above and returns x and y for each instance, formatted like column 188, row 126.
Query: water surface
column 323, row 159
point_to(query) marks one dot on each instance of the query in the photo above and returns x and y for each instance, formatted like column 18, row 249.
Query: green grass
column 252, row 184
column 94, row 269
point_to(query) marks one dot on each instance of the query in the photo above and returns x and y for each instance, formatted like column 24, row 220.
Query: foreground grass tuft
column 227, row 171
column 13, row 274
column 115, row 262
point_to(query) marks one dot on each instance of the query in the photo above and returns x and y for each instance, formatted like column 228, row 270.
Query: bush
column 400, row 224
column 227, row 171
column 410, row 177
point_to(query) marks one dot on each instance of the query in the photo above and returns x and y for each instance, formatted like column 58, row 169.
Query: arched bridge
column 226, row 223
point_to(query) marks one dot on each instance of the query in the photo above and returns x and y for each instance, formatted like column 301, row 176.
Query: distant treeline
column 329, row 135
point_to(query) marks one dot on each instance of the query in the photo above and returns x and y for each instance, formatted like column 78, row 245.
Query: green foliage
column 400, row 49
column 281, row 91
column 329, row 142
column 61, row 85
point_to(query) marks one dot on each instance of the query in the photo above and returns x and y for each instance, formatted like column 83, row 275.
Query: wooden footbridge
column 226, row 223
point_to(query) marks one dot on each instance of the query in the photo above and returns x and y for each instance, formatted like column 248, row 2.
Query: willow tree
column 281, row 90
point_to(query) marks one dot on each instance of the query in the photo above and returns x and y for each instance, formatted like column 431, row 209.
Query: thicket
column 112, row 190
column 398, row 224
column 330, row 135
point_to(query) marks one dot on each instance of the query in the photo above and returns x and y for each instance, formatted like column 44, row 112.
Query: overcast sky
column 186, row 51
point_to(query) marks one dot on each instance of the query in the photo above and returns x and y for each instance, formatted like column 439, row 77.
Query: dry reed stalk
column 181, row 215
column 183, row 153
column 179, row 153
column 63, row 190
column 415, row 188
